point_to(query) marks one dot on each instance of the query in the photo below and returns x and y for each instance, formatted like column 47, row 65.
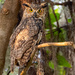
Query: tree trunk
column 8, row 19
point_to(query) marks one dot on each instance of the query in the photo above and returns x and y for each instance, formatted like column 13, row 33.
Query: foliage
column 61, row 70
column 51, row 65
column 61, row 64
column 1, row 1
column 61, row 60
column 69, row 20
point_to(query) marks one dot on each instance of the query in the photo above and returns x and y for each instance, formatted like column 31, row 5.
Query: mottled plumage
column 25, row 37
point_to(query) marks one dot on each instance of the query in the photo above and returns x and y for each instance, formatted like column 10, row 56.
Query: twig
column 55, row 17
column 56, row 44
column 66, row 18
column 56, row 22
column 51, row 32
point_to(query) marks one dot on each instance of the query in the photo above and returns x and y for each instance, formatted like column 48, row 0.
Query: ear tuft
column 26, row 5
column 44, row 5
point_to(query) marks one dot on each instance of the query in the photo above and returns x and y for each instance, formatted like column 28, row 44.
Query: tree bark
column 8, row 19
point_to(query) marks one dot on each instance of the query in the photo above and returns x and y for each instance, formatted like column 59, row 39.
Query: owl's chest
column 30, row 32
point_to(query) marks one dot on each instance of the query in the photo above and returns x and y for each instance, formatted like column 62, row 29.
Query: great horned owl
column 27, row 34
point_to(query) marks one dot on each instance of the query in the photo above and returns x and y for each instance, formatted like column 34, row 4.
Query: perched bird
column 27, row 34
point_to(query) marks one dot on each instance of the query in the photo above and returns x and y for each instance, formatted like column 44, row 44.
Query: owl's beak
column 35, row 14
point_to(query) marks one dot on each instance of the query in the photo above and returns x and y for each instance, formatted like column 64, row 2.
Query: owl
column 27, row 34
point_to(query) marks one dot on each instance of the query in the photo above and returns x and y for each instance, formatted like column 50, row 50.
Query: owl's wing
column 22, row 46
column 16, row 32
column 23, row 40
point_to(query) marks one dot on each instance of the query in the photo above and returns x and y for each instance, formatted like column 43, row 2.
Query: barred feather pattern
column 23, row 41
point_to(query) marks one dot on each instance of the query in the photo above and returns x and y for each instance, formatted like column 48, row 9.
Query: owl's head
column 35, row 10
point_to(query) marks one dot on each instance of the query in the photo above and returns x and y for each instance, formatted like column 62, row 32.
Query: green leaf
column 48, row 37
column 62, row 61
column 53, row 25
column 51, row 65
column 55, row 33
column 1, row 1
column 47, row 23
column 47, row 51
column 69, row 20
column 50, row 10
column 53, row 17
column 58, row 16
column 61, row 70
column 62, row 35
column 56, row 10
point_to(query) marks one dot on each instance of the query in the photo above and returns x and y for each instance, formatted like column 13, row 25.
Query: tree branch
column 56, row 44
column 55, row 3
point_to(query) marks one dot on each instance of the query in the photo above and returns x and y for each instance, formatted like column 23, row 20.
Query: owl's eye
column 30, row 10
column 39, row 11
